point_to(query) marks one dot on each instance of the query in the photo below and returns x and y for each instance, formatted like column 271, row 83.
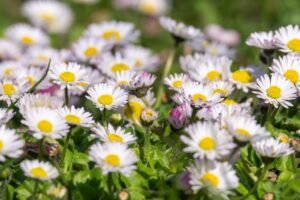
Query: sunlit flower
column 9, row 69
column 11, row 89
column 32, row 75
column 262, row 40
column 175, row 81
column 243, row 78
column 124, row 78
column 77, row 116
column 223, row 88
column 287, row 39
column 153, row 7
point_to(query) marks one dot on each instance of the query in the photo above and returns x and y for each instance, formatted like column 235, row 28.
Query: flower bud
column 123, row 195
column 180, row 116
column 116, row 119
column 268, row 196
column 148, row 116
column 295, row 143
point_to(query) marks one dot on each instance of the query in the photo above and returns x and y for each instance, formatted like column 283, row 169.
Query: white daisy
column 262, row 40
column 243, row 78
column 9, row 69
column 111, row 134
column 113, row 157
column 175, row 81
column 275, row 90
column 153, row 7
column 124, row 78
column 11, row 89
column 190, row 61
column 142, row 79
column 77, row 116
column 32, row 75
column 11, row 145
column 207, row 141
column 39, row 170
column 219, row 49
column 9, row 49
column 134, row 108
column 27, row 35
column 287, row 39
column 106, row 96
column 57, row 191
column 223, row 88
column 38, row 56
column 5, row 115
column 272, row 148
column 44, row 122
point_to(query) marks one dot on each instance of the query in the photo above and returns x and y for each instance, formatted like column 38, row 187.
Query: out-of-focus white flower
column 262, row 40
column 225, row 36
column 153, row 7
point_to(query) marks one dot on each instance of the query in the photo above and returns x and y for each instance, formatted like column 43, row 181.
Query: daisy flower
column 111, row 134
column 113, row 157
column 275, row 90
column 27, row 35
column 153, row 7
column 217, row 177
column 207, row 141
column 116, row 32
column 5, row 115
column 180, row 115
column 76, row 116
column 289, row 67
column 175, row 81
column 243, row 78
column 287, row 39
column 272, row 148
column 11, row 145
column 134, row 108
column 148, row 116
column 32, row 75
column 219, row 49
column 223, row 88
column 9, row 69
column 262, row 40
column 106, row 96
column 71, row 76
column 179, row 29
column 54, row 16
column 245, row 128
column 39, row 170
column 11, row 89
column 44, row 122
column 124, row 78
column 142, row 80
column 9, row 50
column 57, row 191
column 38, row 56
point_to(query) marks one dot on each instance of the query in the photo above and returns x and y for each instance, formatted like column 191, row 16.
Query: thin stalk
column 294, row 164
column 66, row 97
column 66, row 144
column 269, row 114
column 41, row 150
column 104, row 117
column 146, row 144
column 35, row 190
column 110, row 185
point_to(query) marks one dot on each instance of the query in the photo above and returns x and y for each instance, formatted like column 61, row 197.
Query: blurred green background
column 245, row 16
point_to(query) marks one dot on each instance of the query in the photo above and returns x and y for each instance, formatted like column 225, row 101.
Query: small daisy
column 275, row 90
column 88, row 48
column 38, row 56
column 114, row 32
column 71, row 75
column 54, row 16
column 175, row 81
column 11, row 145
column 57, row 191
column 32, row 75
column 190, row 61
column 111, row 134
column 149, row 98
column 218, row 177
column 10, row 90
column 153, row 7
column 9, row 69
column 243, row 78
column 39, row 170
column 5, row 115
column 223, row 88
column 148, row 116
column 289, row 67
column 44, row 122
column 283, row 138
column 179, row 29
column 262, row 40
column 77, row 116
column 124, row 78
column 207, row 141
column 219, row 49
column 287, row 39
column 27, row 35
column 245, row 128
column 9, row 50
column 199, row 94
column 106, row 96
column 113, row 157
column 142, row 80
column 272, row 148
column 134, row 108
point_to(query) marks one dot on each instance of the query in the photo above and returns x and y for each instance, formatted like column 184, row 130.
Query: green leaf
column 81, row 177
column 285, row 176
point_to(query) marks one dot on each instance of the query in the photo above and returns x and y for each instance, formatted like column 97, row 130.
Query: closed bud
column 116, row 119
column 5, row 173
column 148, row 116
column 295, row 144
column 51, row 148
column 180, row 116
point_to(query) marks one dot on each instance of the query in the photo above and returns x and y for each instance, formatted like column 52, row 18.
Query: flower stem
column 62, row 161
column 35, row 190
column 66, row 97
column 146, row 144
column 110, row 185
column 41, row 150
column 104, row 118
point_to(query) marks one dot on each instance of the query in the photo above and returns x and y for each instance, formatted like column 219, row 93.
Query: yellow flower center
column 46, row 16
column 148, row 8
column 207, row 144
column 138, row 63
column 177, row 84
column 73, row 119
column 292, row 75
column 30, row 80
column 43, row 57
column 91, row 51
column 45, row 126
column 242, row 76
column 243, row 132
column 196, row 97
column 106, row 99
column 123, row 82
column 113, row 159
column 9, row 89
column 294, row 44
column 281, row 138
column 39, row 172
column 1, row 145
column 114, row 137
column 274, row 92
column 83, row 84
column 119, row 67
column 221, row 91
column 8, row 72
column 67, row 77
column 133, row 110
column 111, row 34
column 210, row 178
column 229, row 102
column 214, row 75
column 27, row 40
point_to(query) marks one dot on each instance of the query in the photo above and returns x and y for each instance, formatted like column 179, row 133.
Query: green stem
column 35, row 190
column 146, row 144
column 66, row 97
column 110, row 185
column 269, row 114
column 104, row 118
column 41, row 150
column 294, row 162
column 67, row 140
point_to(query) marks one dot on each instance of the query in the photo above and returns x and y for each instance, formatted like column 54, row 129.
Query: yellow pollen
column 47, row 17
column 196, row 97
column 133, row 110
column 105, row 99
column 111, row 34
column 91, row 51
column 8, row 72
column 214, row 75
column 30, row 80
column 274, row 92
column 138, row 63
column 281, row 138
column 1, row 145
column 83, row 84
column 113, row 159
column 114, row 137
column 218, row 90
column 9, row 89
column 45, row 126
column 27, row 40
column 39, row 172
column 229, row 102
column 207, row 144
column 177, row 84
column 119, row 67
column 73, row 119
column 294, row 44
column 242, row 76
column 292, row 75
column 210, row 178
column 149, row 8
column 243, row 132
column 67, row 77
